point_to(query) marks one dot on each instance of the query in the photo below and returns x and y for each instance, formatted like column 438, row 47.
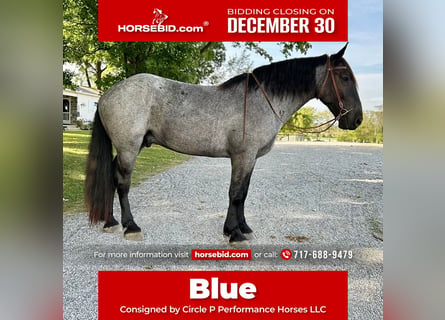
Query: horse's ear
column 340, row 54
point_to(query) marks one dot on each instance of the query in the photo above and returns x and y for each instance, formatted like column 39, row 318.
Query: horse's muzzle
column 350, row 123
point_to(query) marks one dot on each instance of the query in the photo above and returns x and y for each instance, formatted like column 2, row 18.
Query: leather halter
column 329, row 71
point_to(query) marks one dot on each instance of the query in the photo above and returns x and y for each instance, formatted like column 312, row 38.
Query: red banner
column 240, row 295
column 229, row 20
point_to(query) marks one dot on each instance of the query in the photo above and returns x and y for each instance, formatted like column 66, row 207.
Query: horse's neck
column 287, row 106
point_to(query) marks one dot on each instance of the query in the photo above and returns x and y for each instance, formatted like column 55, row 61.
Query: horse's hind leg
column 235, row 225
column 124, row 166
column 111, row 224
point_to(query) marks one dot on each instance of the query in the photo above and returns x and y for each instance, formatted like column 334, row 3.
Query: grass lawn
column 150, row 161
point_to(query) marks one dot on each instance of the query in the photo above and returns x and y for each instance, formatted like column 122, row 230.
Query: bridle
column 329, row 72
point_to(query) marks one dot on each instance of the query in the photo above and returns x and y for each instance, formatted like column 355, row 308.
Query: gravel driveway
column 303, row 196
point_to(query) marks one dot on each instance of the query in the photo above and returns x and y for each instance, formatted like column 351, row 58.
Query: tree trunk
column 99, row 71
column 87, row 74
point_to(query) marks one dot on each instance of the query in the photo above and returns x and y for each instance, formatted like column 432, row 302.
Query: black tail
column 99, row 182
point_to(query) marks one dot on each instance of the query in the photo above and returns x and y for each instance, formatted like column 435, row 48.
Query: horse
column 159, row 17
column 146, row 109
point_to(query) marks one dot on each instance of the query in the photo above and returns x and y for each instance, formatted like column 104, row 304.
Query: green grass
column 150, row 161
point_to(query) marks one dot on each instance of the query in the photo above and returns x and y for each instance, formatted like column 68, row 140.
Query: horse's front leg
column 235, row 225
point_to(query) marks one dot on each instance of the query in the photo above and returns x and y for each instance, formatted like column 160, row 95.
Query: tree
column 192, row 61
column 371, row 129
column 303, row 118
column 68, row 81
column 80, row 41
column 237, row 64
column 287, row 48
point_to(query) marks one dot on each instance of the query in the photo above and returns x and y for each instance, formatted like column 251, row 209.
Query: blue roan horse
column 207, row 121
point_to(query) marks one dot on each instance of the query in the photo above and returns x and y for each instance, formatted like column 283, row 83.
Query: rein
column 329, row 71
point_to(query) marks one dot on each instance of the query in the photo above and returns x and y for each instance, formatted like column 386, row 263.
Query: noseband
column 329, row 71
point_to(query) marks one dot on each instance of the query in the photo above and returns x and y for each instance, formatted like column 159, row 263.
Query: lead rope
column 329, row 71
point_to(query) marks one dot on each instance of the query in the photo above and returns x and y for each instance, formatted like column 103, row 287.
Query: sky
column 364, row 52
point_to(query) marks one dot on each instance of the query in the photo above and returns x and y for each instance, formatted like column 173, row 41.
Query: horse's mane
column 287, row 77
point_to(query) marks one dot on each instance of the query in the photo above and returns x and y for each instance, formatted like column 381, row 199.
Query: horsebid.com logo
column 157, row 25
column 159, row 17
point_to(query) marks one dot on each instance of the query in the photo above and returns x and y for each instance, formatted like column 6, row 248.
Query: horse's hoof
column 249, row 236
column 111, row 226
column 239, row 244
column 134, row 236
column 237, row 236
column 111, row 229
column 133, row 232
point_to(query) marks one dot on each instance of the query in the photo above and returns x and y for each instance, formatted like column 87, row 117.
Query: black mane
column 287, row 77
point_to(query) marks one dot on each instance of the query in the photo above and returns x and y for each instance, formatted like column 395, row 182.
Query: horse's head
column 339, row 92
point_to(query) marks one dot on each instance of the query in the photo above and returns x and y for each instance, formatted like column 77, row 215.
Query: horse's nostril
column 358, row 121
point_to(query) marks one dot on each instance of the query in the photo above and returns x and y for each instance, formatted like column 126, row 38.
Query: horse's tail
column 99, row 182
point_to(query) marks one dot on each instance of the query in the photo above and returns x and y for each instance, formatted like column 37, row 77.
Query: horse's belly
column 194, row 143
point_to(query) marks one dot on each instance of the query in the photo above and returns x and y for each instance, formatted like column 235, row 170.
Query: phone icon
column 286, row 254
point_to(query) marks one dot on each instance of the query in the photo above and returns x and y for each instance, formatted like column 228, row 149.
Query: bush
column 84, row 124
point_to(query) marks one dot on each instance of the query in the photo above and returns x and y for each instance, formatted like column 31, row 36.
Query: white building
column 79, row 104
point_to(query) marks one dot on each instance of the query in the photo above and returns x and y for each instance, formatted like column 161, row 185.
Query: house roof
column 82, row 91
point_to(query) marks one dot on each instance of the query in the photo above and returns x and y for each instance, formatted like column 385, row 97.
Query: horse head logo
column 159, row 17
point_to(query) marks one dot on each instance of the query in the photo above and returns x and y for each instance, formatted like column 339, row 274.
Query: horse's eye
column 345, row 78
